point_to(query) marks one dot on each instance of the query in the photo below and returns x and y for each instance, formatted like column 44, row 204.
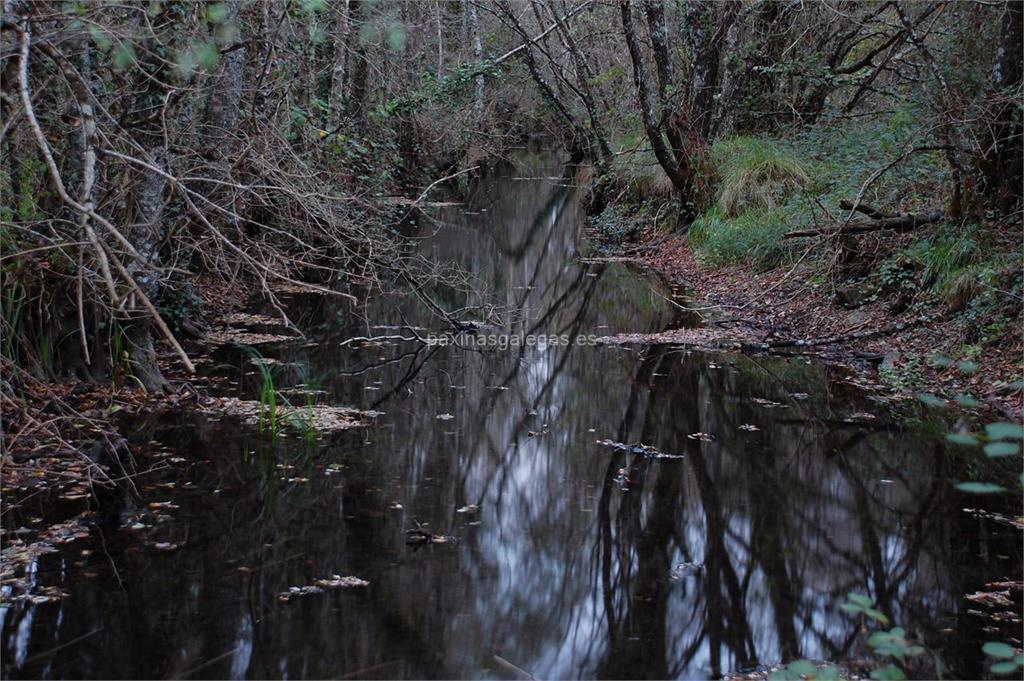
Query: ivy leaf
column 980, row 487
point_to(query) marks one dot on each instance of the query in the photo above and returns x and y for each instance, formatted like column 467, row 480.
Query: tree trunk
column 226, row 95
column 355, row 107
column 1003, row 155
column 709, row 23
column 658, row 30
column 583, row 76
column 680, row 176
column 478, row 55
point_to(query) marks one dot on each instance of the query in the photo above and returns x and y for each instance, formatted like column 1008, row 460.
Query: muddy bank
column 794, row 311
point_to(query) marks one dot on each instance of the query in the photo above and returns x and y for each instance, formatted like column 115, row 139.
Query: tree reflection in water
column 571, row 566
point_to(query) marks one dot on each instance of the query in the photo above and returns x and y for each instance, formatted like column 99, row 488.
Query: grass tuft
column 756, row 174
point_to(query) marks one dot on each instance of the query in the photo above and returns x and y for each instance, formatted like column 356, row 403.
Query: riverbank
column 919, row 351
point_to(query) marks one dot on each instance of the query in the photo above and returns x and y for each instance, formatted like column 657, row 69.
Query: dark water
column 582, row 560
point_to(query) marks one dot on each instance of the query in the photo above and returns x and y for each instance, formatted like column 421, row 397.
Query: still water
column 581, row 559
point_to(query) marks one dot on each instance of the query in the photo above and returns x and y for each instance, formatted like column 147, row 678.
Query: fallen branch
column 900, row 223
column 846, row 337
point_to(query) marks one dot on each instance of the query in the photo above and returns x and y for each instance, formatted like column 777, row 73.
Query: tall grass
column 755, row 174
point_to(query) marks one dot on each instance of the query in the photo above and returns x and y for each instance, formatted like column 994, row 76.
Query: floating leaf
column 980, row 487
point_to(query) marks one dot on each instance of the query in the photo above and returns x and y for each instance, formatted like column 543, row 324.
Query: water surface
column 789, row 487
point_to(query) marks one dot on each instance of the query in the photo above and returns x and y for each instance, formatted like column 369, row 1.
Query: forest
column 512, row 339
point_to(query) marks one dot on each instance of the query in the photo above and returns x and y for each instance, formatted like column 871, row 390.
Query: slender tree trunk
column 732, row 76
column 709, row 23
column 1003, row 156
column 478, row 56
column 670, row 105
column 604, row 158
column 360, row 69
column 679, row 175
column 222, row 112
column 575, row 132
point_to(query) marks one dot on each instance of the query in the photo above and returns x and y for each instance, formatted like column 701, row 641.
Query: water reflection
column 582, row 560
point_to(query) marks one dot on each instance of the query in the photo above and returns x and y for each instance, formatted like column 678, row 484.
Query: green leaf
column 803, row 668
column 931, row 400
column 99, row 37
column 396, row 35
column 940, row 361
column 829, row 673
column 888, row 673
column 877, row 615
column 1004, row 667
column 124, row 56
column 861, row 599
column 964, row 439
column 995, row 449
column 998, row 649
column 311, row 6
column 967, row 366
column 216, row 14
column 1004, row 431
column 207, row 55
column 980, row 487
column 968, row 401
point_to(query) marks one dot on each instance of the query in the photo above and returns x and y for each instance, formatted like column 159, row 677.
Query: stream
column 767, row 489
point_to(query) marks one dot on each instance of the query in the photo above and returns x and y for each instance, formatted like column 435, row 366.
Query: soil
column 784, row 304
